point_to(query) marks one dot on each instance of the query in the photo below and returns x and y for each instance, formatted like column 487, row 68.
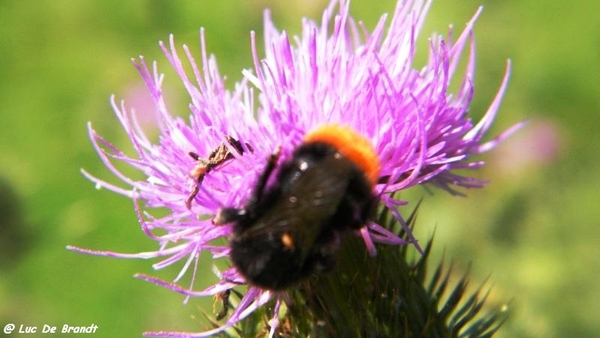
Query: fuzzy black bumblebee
column 292, row 228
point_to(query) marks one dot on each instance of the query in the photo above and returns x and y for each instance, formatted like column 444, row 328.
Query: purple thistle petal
column 383, row 235
column 274, row 321
column 210, row 291
column 368, row 238
column 139, row 255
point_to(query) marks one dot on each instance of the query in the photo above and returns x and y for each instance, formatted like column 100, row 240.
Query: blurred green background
column 532, row 233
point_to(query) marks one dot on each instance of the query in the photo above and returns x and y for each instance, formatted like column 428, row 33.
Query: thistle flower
column 349, row 76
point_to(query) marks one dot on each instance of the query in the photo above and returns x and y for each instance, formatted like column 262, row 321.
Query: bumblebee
column 292, row 228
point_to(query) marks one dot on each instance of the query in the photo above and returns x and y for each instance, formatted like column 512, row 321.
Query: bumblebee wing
column 301, row 213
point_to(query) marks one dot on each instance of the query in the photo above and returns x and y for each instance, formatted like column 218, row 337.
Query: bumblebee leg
column 264, row 177
column 224, row 298
column 228, row 215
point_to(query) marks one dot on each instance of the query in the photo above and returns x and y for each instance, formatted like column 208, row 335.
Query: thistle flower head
column 336, row 72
